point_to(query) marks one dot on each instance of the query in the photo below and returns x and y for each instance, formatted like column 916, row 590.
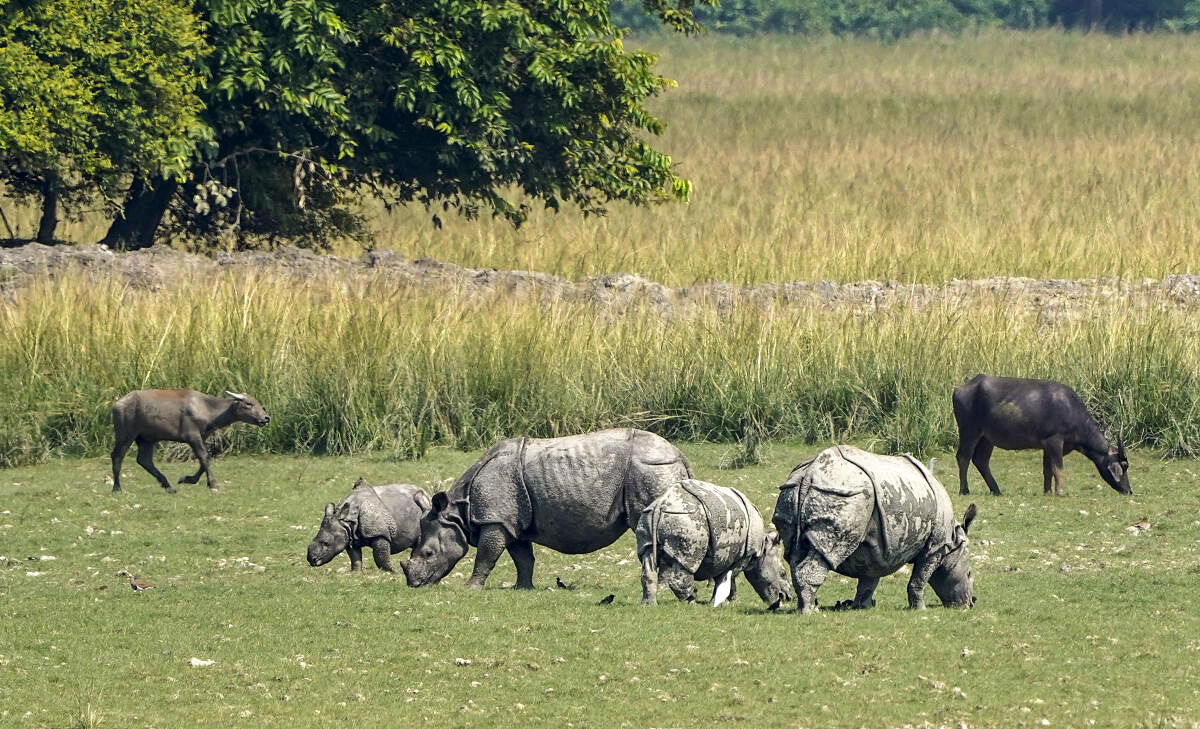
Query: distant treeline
column 897, row 18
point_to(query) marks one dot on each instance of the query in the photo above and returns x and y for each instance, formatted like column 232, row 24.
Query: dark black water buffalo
column 1016, row 414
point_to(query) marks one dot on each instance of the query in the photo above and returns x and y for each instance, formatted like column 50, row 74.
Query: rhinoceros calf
column 700, row 530
column 385, row 518
column 575, row 494
column 864, row 515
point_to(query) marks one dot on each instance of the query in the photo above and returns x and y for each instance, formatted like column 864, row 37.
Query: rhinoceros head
column 767, row 575
column 442, row 544
column 952, row 580
column 334, row 535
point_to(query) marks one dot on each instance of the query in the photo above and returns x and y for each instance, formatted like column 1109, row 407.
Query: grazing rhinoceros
column 699, row 530
column 385, row 518
column 864, row 515
column 575, row 494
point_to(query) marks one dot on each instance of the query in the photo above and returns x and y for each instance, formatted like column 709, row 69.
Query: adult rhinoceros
column 575, row 494
column 864, row 515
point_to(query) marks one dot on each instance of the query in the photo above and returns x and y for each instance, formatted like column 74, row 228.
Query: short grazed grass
column 1079, row 622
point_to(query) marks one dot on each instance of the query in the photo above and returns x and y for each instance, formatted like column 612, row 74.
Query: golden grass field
column 1040, row 154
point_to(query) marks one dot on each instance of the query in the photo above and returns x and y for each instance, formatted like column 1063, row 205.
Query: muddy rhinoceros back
column 863, row 512
column 706, row 528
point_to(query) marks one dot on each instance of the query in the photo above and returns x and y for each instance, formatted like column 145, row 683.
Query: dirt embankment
column 163, row 267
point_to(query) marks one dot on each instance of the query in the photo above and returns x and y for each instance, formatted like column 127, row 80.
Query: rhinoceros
column 865, row 515
column 700, row 530
column 385, row 518
column 575, row 494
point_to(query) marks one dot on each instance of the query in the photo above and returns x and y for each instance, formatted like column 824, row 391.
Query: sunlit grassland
column 1079, row 621
column 371, row 364
column 1042, row 154
column 1030, row 154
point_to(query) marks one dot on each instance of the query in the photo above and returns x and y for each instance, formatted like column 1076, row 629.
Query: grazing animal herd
column 849, row 511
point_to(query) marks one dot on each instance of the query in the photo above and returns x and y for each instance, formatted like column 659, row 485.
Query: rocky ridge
column 163, row 267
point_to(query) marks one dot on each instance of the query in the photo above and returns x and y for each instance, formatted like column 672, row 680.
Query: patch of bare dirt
column 162, row 267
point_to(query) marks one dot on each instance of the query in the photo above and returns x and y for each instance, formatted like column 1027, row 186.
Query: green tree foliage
column 461, row 105
column 92, row 91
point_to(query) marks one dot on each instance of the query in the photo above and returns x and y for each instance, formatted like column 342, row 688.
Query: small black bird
column 562, row 585
column 775, row 605
column 607, row 601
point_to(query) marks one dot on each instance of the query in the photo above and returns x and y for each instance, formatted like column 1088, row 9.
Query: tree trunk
column 141, row 215
column 50, row 199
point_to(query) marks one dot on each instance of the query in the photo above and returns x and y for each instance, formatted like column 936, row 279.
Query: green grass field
column 1079, row 621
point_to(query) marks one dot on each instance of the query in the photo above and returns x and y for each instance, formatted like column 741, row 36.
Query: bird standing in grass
column 139, row 586
column 562, row 585
column 607, row 601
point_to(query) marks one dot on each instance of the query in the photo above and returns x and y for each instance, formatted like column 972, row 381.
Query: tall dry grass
column 369, row 364
column 1031, row 154
column 1041, row 154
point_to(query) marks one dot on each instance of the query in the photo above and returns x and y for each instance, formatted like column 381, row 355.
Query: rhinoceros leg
column 355, row 558
column 521, row 552
column 493, row 540
column 649, row 581
column 808, row 575
column 681, row 582
column 863, row 595
column 381, row 551
column 921, row 571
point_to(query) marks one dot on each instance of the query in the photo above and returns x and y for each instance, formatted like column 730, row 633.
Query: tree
column 460, row 105
column 91, row 92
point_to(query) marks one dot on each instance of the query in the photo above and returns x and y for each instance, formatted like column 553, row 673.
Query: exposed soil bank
column 164, row 267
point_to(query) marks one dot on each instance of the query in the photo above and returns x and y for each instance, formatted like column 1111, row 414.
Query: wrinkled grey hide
column 184, row 416
column 385, row 518
column 575, row 495
column 697, row 530
column 864, row 515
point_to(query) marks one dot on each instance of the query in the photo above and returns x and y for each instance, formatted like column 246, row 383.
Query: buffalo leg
column 649, row 581
column 118, row 455
column 355, row 558
column 983, row 461
column 521, row 552
column 807, row 576
column 197, row 444
column 921, row 571
column 966, row 448
column 145, row 459
column 863, row 594
column 381, row 552
column 493, row 540
column 1052, row 465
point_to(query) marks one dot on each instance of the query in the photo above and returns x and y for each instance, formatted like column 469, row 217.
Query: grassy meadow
column 1047, row 154
column 369, row 364
column 1079, row 623
column 1042, row 155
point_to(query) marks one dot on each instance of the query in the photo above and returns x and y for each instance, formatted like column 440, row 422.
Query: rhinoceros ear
column 422, row 500
column 969, row 517
column 440, row 501
column 347, row 512
column 773, row 539
column 329, row 510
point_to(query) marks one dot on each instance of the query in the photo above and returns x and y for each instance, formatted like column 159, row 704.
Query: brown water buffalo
column 184, row 416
